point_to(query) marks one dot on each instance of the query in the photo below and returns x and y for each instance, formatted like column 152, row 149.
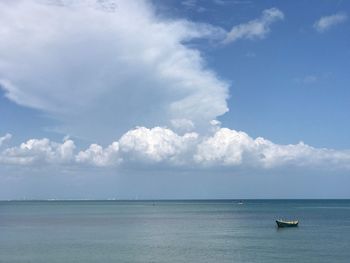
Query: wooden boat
column 283, row 223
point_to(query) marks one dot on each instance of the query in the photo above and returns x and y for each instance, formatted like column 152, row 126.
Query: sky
column 174, row 99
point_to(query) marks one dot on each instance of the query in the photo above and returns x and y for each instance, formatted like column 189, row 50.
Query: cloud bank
column 225, row 148
column 327, row 22
column 116, row 65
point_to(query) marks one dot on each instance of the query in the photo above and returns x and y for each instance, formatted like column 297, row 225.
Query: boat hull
column 287, row 224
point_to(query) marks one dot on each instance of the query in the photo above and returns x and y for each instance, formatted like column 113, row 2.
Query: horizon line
column 166, row 199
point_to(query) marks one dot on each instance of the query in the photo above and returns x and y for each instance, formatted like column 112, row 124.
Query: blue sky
column 287, row 86
column 174, row 99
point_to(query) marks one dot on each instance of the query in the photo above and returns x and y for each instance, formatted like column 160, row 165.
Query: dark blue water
column 174, row 231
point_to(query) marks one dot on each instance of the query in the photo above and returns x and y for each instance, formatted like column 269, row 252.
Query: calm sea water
column 174, row 231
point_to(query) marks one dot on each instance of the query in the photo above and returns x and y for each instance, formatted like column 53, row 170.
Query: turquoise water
column 174, row 231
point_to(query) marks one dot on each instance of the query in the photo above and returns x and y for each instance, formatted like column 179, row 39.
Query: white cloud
column 115, row 64
column 156, row 145
column 162, row 146
column 225, row 147
column 193, row 5
column 257, row 28
column 189, row 3
column 39, row 151
column 5, row 138
column 326, row 22
column 140, row 146
column 96, row 155
column 234, row 148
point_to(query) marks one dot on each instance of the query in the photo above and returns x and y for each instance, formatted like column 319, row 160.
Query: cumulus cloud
column 233, row 148
column 225, row 147
column 97, row 155
column 39, row 151
column 327, row 22
column 115, row 64
column 143, row 146
column 257, row 28
column 156, row 145
column 162, row 146
column 5, row 138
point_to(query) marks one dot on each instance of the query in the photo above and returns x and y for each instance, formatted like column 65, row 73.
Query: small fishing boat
column 283, row 223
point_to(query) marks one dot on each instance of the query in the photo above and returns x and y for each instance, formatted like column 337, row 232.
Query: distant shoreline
column 174, row 200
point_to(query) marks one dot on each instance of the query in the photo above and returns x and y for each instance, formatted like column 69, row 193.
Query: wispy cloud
column 5, row 138
column 193, row 5
column 327, row 22
column 250, row 54
column 189, row 3
column 234, row 2
column 257, row 28
column 314, row 78
column 308, row 79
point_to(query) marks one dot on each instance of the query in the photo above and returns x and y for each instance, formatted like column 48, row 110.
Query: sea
column 174, row 231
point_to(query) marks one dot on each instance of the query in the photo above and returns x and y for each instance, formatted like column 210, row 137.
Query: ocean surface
column 174, row 231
